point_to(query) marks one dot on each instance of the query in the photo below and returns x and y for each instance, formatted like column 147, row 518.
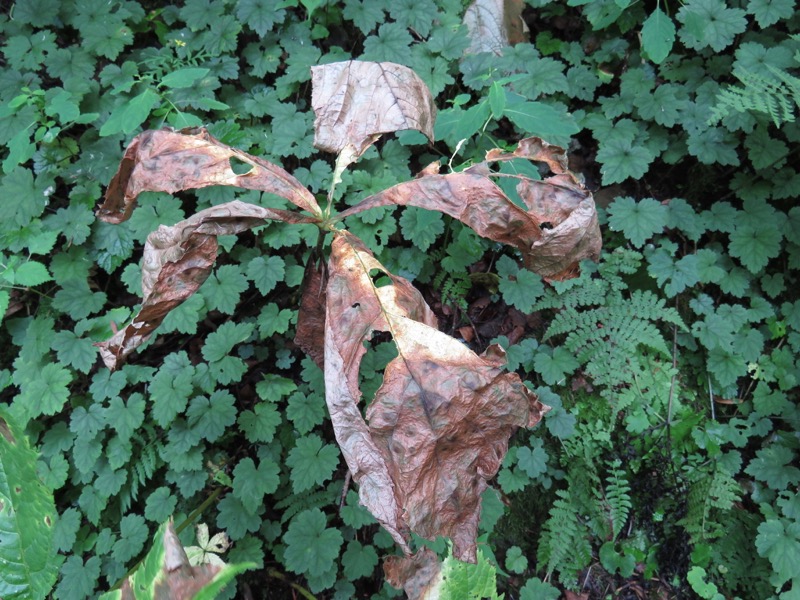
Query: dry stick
column 345, row 487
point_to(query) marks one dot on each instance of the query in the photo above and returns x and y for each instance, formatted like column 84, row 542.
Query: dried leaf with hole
column 567, row 216
column 355, row 102
column 557, row 231
column 171, row 161
column 176, row 262
column 440, row 423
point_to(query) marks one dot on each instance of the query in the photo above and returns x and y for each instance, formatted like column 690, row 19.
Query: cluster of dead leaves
column 438, row 428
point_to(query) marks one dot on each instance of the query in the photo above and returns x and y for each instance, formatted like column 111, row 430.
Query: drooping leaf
column 355, row 102
column 311, row 319
column 438, row 426
column 171, row 161
column 557, row 231
column 418, row 575
column 177, row 260
column 27, row 518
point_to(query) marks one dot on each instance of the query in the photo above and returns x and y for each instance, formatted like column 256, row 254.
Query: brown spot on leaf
column 5, row 431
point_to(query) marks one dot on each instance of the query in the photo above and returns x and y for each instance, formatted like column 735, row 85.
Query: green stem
column 295, row 586
column 194, row 514
column 200, row 509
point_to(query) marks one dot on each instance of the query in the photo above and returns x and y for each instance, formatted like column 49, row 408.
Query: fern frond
column 563, row 545
column 592, row 292
column 778, row 97
column 617, row 497
column 712, row 491
column 296, row 503
column 745, row 571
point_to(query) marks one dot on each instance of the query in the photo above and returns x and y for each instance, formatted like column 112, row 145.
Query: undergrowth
column 668, row 461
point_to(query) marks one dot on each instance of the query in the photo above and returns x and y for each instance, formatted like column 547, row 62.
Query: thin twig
column 675, row 374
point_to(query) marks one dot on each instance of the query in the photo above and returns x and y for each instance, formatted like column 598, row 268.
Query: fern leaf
column 776, row 97
column 563, row 546
column 296, row 503
column 617, row 497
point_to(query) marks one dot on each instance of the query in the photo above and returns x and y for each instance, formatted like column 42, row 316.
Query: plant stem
column 194, row 514
column 272, row 572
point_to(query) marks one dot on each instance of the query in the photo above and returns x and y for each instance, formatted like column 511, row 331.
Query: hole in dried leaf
column 380, row 351
column 379, row 278
column 546, row 225
column 240, row 167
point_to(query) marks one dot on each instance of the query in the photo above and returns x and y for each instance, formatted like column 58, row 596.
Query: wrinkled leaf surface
column 440, row 423
column 177, row 260
column 310, row 334
column 171, row 161
column 355, row 102
column 557, row 231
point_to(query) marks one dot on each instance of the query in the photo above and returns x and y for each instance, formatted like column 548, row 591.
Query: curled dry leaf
column 419, row 575
column 536, row 149
column 567, row 216
column 494, row 24
column 355, row 102
column 557, row 231
column 310, row 334
column 177, row 260
column 170, row 161
column 440, row 423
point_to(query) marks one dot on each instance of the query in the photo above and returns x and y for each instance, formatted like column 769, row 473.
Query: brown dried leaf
column 355, row 102
column 558, row 230
column 171, row 161
column 310, row 334
column 438, row 426
column 570, row 229
column 469, row 197
column 494, row 24
column 176, row 262
column 418, row 575
column 534, row 148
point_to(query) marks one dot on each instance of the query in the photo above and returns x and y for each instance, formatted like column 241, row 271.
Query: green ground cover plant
column 666, row 466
